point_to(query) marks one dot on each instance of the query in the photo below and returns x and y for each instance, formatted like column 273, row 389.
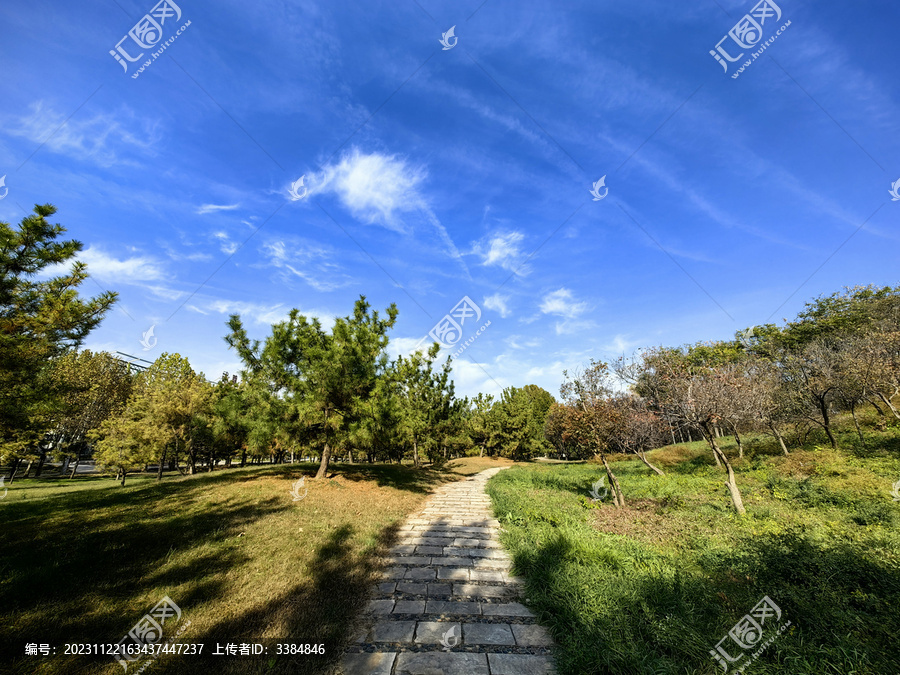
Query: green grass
column 84, row 560
column 653, row 587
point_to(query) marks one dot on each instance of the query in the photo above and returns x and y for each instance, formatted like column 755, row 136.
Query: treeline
column 840, row 353
column 310, row 392
column 303, row 391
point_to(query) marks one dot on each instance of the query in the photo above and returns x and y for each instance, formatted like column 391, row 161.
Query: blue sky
column 434, row 174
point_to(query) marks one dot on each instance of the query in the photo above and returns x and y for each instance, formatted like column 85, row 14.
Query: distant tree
column 637, row 428
column 689, row 392
column 590, row 391
column 39, row 320
column 519, row 417
column 812, row 376
column 91, row 387
column 479, row 423
column 426, row 401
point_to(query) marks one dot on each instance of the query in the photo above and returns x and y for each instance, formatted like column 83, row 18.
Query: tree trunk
column 826, row 418
column 416, row 453
column 737, row 439
column 643, row 458
column 75, row 467
column 65, row 466
column 162, row 461
column 350, row 454
column 779, row 437
column 323, row 465
column 28, row 468
column 618, row 497
column 875, row 405
column 243, row 457
column 731, row 483
column 859, row 432
column 123, row 477
column 890, row 405
column 40, row 466
column 12, row 470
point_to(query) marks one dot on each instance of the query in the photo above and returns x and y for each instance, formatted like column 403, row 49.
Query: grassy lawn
column 84, row 560
column 652, row 588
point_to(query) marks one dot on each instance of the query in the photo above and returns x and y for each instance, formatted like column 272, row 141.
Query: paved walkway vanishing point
column 447, row 604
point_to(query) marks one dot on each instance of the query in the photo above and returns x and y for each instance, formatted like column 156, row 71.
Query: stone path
column 447, row 604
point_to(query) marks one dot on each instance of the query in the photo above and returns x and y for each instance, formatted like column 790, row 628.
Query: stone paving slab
column 452, row 606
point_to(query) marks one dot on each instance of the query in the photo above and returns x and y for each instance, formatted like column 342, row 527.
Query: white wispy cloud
column 258, row 312
column 382, row 189
column 165, row 292
column 100, row 139
column 214, row 208
column 123, row 270
column 226, row 245
column 561, row 303
column 374, row 187
column 312, row 263
column 498, row 303
column 503, row 250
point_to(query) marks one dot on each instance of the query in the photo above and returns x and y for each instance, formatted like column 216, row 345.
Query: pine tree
column 39, row 320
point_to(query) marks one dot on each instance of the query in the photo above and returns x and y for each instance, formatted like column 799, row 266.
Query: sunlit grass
column 653, row 587
column 83, row 560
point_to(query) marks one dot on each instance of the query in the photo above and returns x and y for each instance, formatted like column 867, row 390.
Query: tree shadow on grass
column 612, row 617
column 321, row 610
column 399, row 477
column 66, row 579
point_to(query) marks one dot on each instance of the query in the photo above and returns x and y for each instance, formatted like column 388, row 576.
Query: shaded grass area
column 84, row 560
column 652, row 588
